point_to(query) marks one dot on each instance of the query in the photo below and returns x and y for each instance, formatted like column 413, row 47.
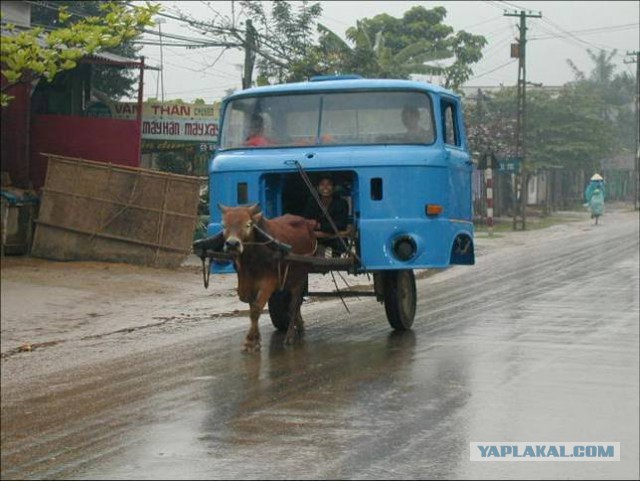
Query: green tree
column 386, row 46
column 287, row 33
column 564, row 129
column 615, row 93
column 567, row 130
column 114, row 82
column 34, row 53
column 280, row 39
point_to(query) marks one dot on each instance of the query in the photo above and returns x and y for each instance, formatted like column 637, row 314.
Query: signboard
column 510, row 164
column 167, row 145
column 168, row 121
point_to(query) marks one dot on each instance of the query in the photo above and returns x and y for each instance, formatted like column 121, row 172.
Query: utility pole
column 160, row 21
column 636, row 172
column 519, row 50
column 249, row 55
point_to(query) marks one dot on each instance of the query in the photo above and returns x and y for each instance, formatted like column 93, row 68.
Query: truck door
column 460, row 166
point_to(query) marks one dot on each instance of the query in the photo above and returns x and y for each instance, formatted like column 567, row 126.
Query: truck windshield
column 341, row 118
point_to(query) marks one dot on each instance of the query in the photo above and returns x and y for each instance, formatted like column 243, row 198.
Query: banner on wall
column 166, row 121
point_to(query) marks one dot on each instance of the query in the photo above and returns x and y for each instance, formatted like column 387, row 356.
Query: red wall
column 15, row 134
column 107, row 140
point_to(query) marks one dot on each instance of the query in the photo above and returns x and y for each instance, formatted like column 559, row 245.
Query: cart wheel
column 279, row 303
column 399, row 298
column 279, row 310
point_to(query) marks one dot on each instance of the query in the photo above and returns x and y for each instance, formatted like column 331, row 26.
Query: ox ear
column 223, row 208
column 256, row 218
column 254, row 209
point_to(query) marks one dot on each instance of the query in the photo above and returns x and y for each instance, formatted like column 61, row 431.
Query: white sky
column 189, row 74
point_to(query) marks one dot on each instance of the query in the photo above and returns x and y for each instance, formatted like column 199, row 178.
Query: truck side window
column 450, row 124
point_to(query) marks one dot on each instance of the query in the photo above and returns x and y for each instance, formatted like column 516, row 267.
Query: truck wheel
column 400, row 298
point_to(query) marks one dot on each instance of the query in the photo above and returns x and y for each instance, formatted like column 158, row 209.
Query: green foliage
column 114, row 82
column 174, row 162
column 567, row 130
column 616, row 92
column 285, row 39
column 587, row 121
column 389, row 47
column 30, row 54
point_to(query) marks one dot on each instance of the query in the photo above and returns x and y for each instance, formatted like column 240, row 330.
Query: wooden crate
column 97, row 211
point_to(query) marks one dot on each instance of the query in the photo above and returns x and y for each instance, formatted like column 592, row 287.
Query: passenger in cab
column 338, row 209
column 411, row 120
column 256, row 137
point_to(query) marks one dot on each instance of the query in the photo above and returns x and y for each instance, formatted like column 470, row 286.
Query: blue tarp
column 17, row 197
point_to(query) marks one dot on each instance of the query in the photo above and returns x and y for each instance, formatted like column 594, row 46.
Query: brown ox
column 261, row 271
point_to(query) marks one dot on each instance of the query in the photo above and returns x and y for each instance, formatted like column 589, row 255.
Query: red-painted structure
column 15, row 134
column 107, row 140
column 26, row 135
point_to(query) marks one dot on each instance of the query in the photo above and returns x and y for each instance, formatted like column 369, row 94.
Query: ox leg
column 252, row 340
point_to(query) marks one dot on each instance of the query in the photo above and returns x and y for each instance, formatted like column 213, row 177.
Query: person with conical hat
column 596, row 203
column 596, row 182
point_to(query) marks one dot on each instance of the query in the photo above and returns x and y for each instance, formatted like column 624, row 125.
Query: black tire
column 400, row 298
column 279, row 304
column 279, row 310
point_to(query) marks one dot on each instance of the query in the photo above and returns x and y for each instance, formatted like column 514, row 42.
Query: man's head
column 325, row 186
column 256, row 125
column 410, row 117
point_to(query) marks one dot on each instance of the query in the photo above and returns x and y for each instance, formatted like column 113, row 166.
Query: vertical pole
column 521, row 119
column 636, row 170
column 160, row 22
column 139, row 112
column 636, row 190
column 637, row 179
column 489, row 177
column 249, row 56
column 524, row 190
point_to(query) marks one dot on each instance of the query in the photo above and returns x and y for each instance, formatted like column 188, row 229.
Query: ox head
column 238, row 225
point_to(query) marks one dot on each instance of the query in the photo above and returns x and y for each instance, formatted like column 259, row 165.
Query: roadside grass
column 534, row 221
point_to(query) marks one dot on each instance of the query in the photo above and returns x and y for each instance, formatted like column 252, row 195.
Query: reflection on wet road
column 532, row 345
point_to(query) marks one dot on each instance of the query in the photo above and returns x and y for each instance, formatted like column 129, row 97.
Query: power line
column 513, row 5
column 493, row 70
column 493, row 19
column 594, row 31
column 558, row 27
column 207, row 89
column 494, row 4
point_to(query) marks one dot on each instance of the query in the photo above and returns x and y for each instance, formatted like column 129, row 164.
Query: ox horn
column 255, row 209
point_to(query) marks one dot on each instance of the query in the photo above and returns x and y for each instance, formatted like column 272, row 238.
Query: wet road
column 536, row 343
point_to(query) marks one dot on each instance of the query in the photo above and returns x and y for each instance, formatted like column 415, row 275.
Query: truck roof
column 343, row 84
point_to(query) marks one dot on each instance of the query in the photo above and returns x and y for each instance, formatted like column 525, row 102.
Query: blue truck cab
column 396, row 149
